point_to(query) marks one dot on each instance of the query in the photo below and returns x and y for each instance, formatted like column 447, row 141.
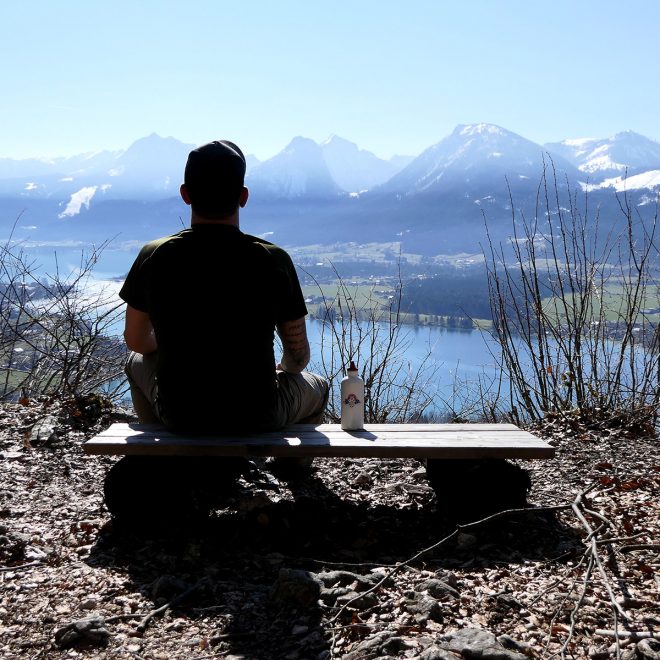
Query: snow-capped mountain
column 434, row 204
column 152, row 163
column 467, row 158
column 356, row 169
column 299, row 170
column 600, row 159
column 645, row 181
column 151, row 167
column 470, row 155
column 35, row 167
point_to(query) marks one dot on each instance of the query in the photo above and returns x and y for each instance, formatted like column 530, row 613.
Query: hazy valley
column 421, row 219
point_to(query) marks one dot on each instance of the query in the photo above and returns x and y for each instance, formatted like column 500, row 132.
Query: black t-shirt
column 214, row 296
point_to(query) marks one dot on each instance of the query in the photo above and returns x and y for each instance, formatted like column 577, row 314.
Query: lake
column 460, row 366
column 456, row 362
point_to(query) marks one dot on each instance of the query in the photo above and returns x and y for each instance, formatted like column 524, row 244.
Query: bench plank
column 375, row 441
column 121, row 429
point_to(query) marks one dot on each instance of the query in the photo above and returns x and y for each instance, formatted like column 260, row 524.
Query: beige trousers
column 301, row 397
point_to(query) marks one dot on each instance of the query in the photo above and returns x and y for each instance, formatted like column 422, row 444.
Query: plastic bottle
column 352, row 400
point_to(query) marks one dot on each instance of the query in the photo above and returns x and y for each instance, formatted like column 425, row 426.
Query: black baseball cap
column 214, row 178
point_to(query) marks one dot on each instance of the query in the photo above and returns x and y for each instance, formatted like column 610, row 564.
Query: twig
column 4, row 569
column 618, row 539
column 591, row 554
column 122, row 617
column 364, row 564
column 629, row 634
column 600, row 516
column 557, row 582
column 594, row 559
column 348, row 626
column 578, row 604
column 640, row 546
column 458, row 530
column 594, row 550
column 142, row 626
column 558, row 609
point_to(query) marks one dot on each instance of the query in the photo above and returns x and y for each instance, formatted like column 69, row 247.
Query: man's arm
column 294, row 344
column 138, row 331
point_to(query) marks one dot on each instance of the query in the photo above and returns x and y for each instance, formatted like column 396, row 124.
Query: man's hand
column 138, row 331
column 294, row 344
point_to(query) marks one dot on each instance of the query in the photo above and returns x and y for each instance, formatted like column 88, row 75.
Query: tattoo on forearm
column 298, row 329
column 295, row 344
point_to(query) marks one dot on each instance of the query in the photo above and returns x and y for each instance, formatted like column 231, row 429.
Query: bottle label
column 351, row 400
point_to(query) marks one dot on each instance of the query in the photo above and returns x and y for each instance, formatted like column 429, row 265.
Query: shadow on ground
column 236, row 559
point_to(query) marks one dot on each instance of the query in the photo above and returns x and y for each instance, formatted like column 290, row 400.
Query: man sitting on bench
column 202, row 308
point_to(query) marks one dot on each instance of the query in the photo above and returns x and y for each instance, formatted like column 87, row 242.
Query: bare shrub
column 396, row 390
column 56, row 330
column 568, row 306
column 475, row 399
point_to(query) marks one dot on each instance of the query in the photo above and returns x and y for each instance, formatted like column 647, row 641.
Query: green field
column 370, row 301
column 363, row 294
column 611, row 302
column 11, row 379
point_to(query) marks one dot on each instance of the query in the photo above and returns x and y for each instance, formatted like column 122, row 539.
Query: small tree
column 568, row 312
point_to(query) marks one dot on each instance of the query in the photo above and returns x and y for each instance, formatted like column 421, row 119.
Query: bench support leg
column 157, row 491
column 469, row 489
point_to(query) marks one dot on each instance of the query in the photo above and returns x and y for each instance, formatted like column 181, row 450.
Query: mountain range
column 331, row 191
column 153, row 166
column 612, row 157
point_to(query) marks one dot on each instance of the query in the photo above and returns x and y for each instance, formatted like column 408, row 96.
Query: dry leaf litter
column 356, row 561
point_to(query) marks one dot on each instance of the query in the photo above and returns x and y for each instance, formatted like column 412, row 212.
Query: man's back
column 202, row 308
column 214, row 296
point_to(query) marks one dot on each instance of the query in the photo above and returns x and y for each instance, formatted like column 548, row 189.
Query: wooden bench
column 328, row 440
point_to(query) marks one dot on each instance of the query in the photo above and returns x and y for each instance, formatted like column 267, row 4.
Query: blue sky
column 392, row 76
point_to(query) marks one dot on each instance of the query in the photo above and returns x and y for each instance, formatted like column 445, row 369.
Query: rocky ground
column 356, row 561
